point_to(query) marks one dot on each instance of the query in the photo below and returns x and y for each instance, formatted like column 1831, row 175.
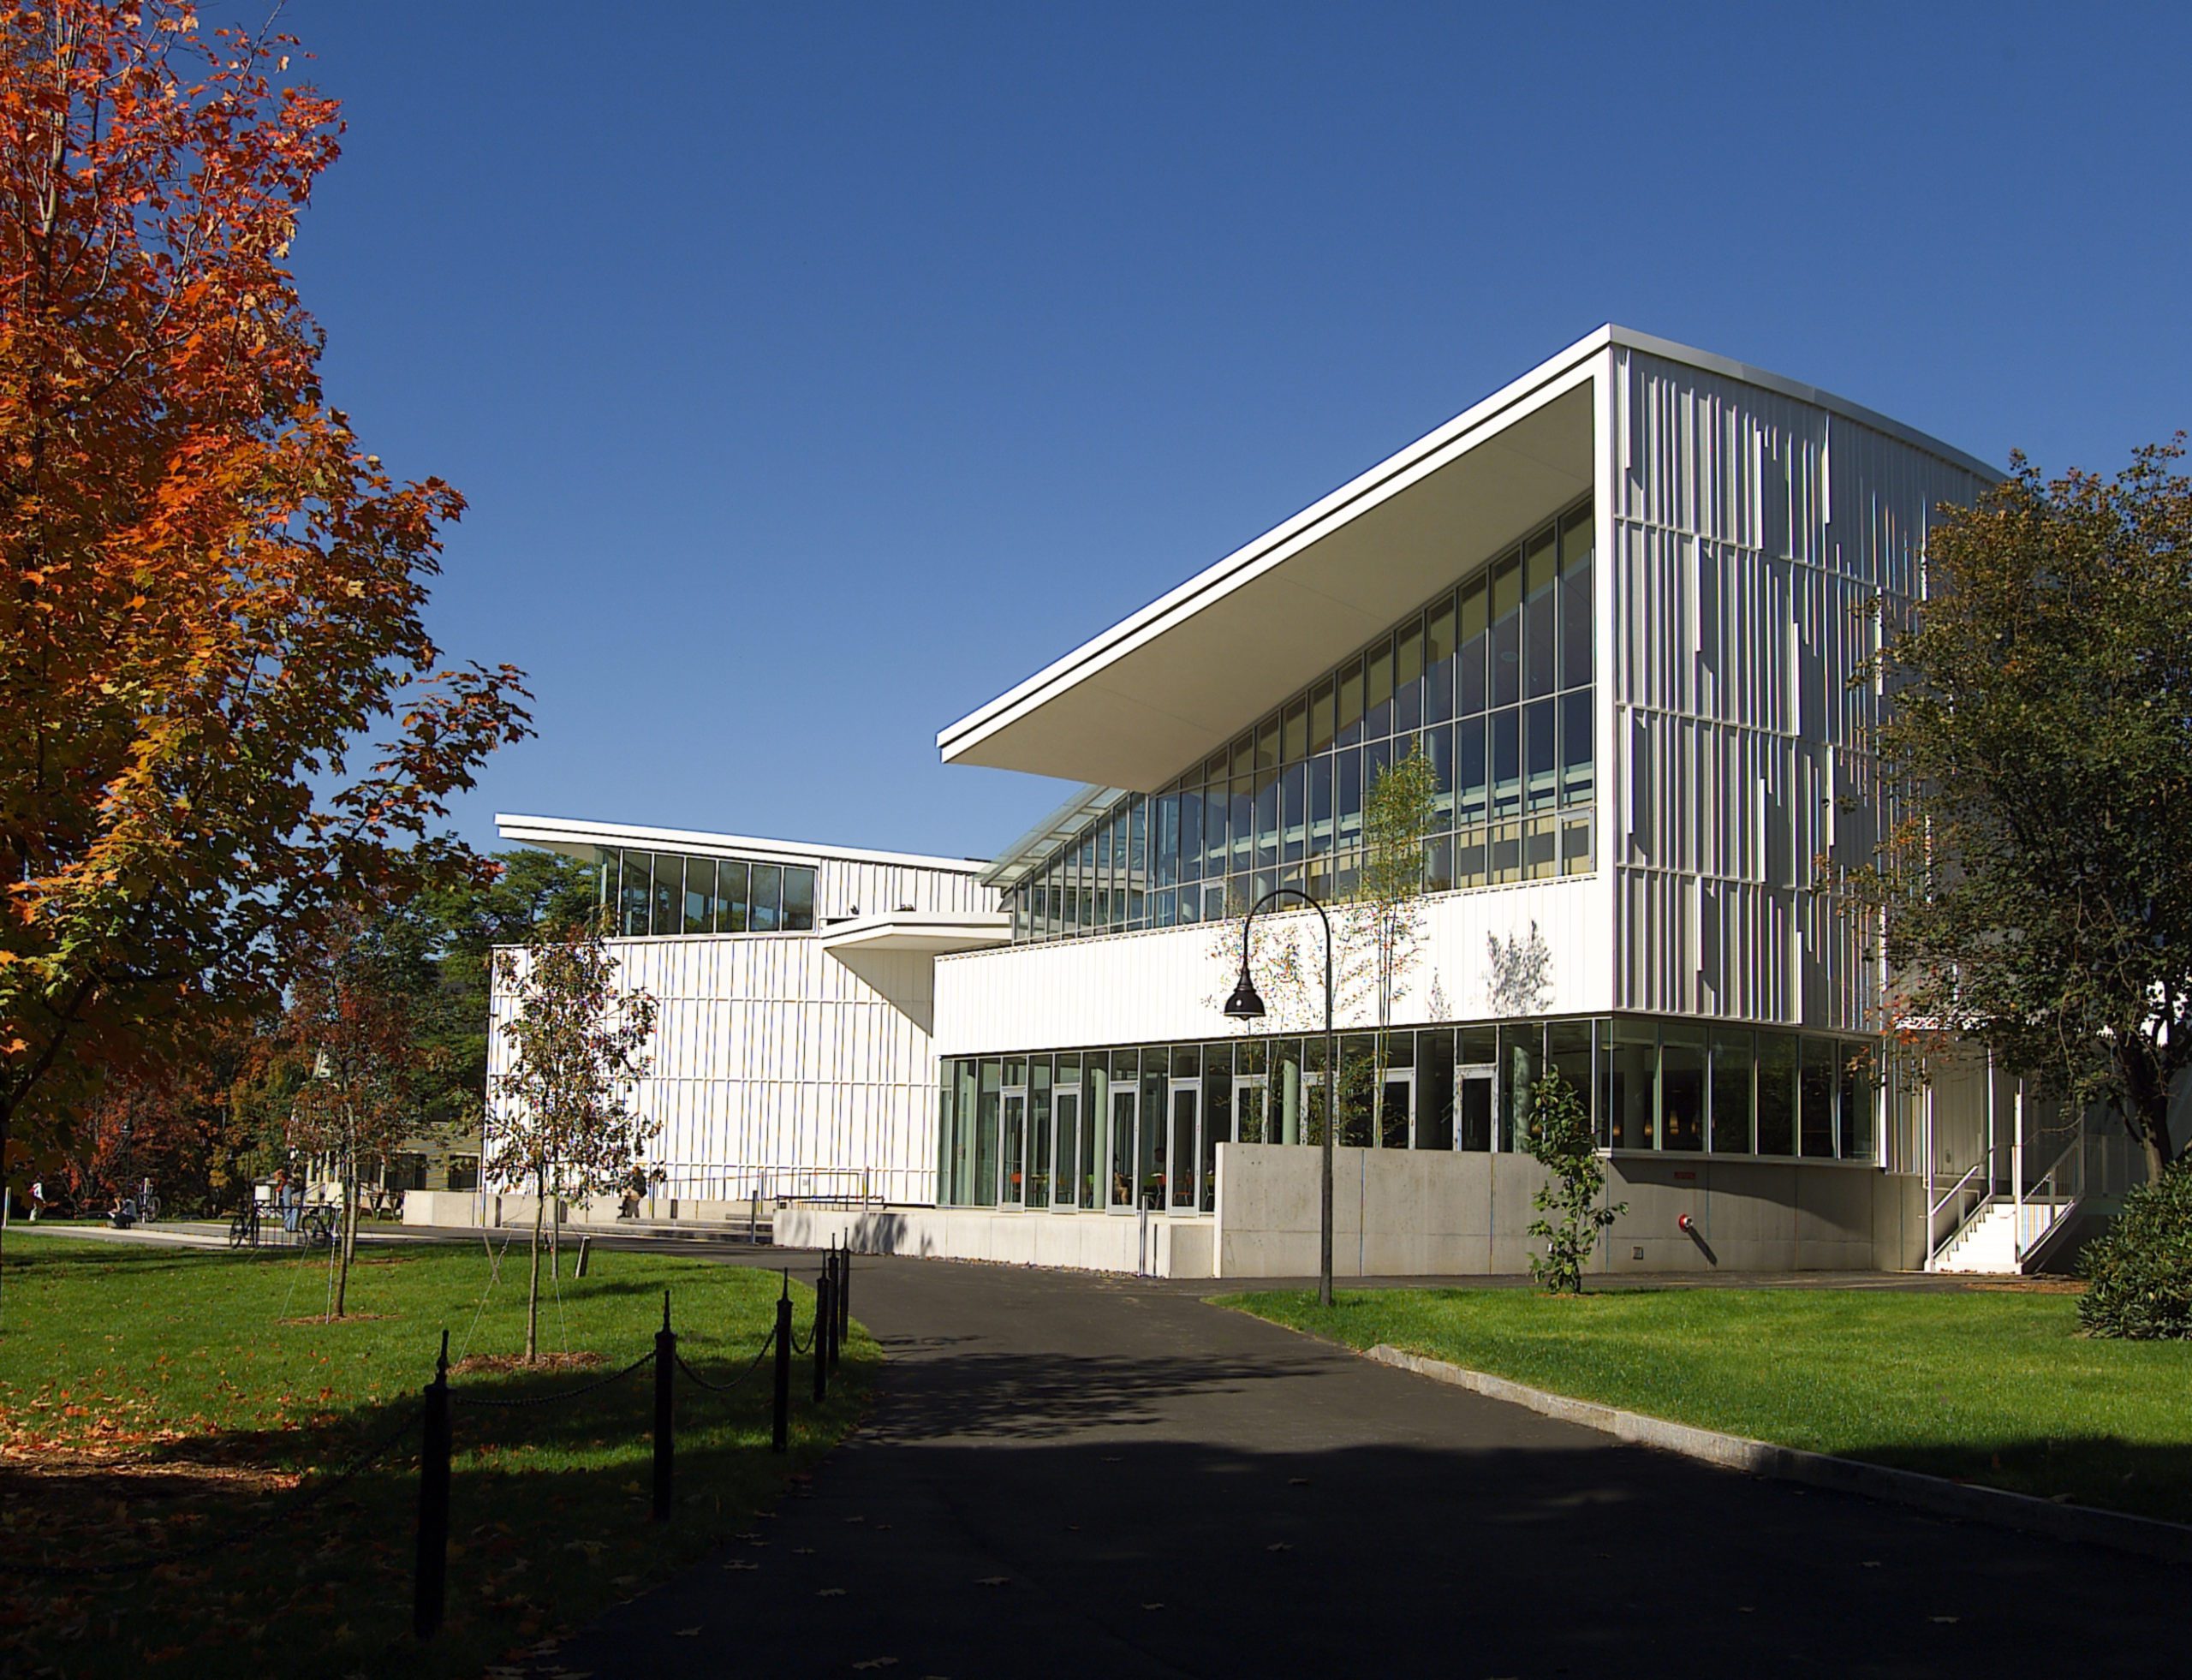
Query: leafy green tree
column 349, row 1029
column 1559, row 1138
column 1398, row 819
column 2035, row 878
column 459, row 927
column 1376, row 936
column 560, row 1120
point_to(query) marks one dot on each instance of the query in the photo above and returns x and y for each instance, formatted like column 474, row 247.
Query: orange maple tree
column 221, row 716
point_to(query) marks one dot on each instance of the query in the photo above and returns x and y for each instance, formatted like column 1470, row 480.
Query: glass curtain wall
column 1492, row 680
column 1139, row 1127
column 658, row 893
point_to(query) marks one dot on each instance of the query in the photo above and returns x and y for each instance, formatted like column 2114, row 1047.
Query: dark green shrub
column 2139, row 1275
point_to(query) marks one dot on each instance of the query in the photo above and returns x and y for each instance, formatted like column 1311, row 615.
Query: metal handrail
column 2058, row 1198
column 755, row 1181
column 1957, row 1189
column 1938, row 1240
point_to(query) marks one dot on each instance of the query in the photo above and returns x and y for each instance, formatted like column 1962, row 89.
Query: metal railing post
column 430, row 1583
column 821, row 1336
column 665, row 1363
column 780, row 1435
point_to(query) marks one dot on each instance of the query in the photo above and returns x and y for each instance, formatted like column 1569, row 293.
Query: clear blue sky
column 817, row 372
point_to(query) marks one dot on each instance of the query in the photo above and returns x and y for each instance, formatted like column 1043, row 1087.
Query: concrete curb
column 2083, row 1525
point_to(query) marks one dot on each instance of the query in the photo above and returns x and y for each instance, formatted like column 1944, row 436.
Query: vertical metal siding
column 1756, row 539
column 769, row 1052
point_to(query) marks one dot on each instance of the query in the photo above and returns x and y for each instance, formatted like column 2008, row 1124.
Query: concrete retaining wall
column 1420, row 1213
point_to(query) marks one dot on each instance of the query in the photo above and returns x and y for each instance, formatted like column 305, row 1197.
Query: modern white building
column 1622, row 605
column 795, row 986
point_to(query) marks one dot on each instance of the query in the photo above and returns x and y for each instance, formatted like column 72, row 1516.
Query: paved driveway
column 1070, row 1475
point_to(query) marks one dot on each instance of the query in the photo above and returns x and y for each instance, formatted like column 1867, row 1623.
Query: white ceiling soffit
column 934, row 935
column 1134, row 707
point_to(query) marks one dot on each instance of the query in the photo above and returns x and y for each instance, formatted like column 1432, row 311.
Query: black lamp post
column 1245, row 1005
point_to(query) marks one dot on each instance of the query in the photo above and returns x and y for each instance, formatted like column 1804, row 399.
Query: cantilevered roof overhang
column 1129, row 708
column 1132, row 706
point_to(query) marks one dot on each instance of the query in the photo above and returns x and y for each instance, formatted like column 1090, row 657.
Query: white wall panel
column 1132, row 988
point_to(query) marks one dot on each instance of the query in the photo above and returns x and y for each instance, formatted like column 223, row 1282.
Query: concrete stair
column 1989, row 1241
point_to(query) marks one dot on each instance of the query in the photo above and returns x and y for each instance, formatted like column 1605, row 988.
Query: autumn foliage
column 222, row 719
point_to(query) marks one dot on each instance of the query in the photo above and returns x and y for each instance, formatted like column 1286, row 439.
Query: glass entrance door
column 1180, row 1167
column 1012, row 1162
column 1068, row 1190
column 1473, row 1113
column 1251, row 1110
column 1123, row 1138
column 1396, row 1110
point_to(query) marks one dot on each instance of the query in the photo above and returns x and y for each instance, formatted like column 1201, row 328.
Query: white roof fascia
column 559, row 833
column 1474, row 426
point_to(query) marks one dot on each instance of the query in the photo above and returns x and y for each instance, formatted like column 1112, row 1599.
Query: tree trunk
column 532, row 1294
column 2153, row 1131
column 346, row 1239
column 2147, row 1120
column 7, row 1116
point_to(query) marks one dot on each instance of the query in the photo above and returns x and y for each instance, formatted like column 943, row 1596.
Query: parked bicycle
column 315, row 1227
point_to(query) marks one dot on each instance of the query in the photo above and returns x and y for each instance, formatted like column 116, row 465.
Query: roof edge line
column 525, row 829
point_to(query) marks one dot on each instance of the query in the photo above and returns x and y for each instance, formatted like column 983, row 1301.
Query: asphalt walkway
column 1070, row 1475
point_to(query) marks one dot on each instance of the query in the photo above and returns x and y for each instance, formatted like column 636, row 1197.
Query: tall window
column 1493, row 680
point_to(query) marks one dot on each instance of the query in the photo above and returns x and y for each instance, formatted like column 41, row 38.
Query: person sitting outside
column 122, row 1214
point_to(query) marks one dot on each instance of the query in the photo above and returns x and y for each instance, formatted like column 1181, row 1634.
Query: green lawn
column 1988, row 1387
column 152, row 1398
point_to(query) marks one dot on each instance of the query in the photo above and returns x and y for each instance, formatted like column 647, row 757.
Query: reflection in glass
column 1682, row 1088
column 1777, row 1094
column 799, row 899
column 766, row 903
column 1731, row 1092
column 1815, row 1098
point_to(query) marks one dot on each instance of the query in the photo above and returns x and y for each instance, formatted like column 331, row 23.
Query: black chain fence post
column 780, row 1437
column 665, row 1371
column 430, row 1587
column 820, row 1337
column 845, row 1293
column 837, row 1291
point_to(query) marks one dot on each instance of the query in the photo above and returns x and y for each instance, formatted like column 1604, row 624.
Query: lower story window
column 1138, row 1127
